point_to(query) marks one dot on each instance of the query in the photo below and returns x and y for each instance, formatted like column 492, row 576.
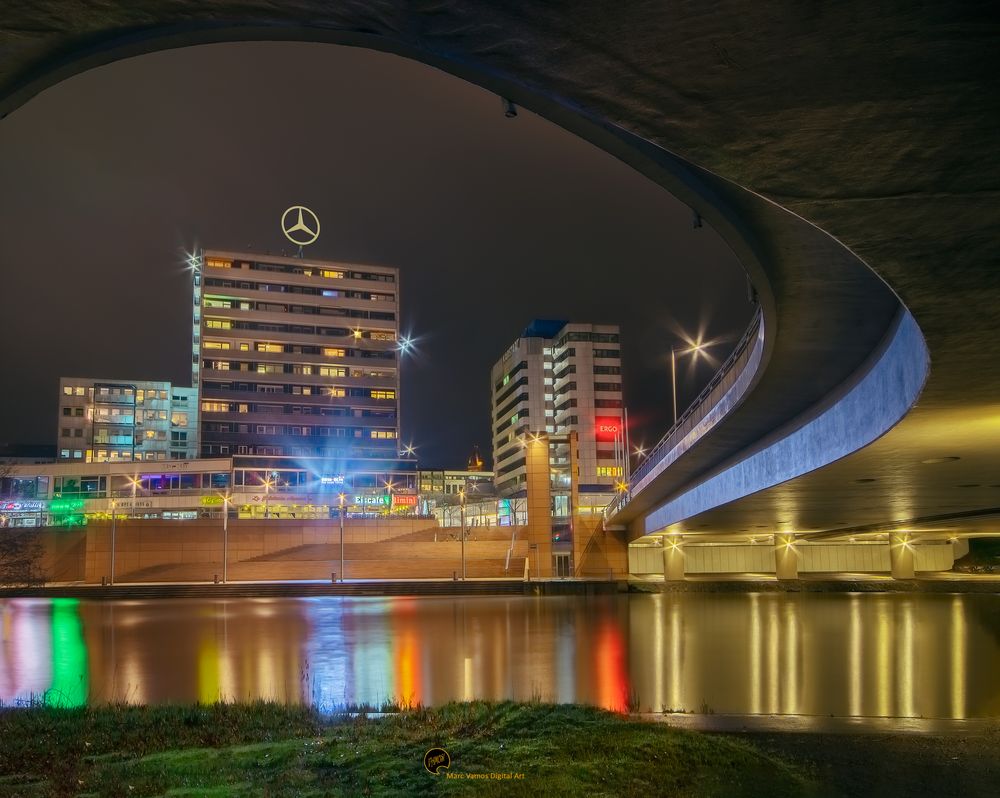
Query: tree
column 21, row 548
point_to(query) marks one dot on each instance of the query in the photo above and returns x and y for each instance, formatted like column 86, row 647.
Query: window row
column 296, row 349
column 597, row 338
column 305, row 290
column 356, row 333
column 334, row 392
column 305, row 310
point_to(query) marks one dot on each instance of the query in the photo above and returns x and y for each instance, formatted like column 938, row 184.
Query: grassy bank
column 266, row 749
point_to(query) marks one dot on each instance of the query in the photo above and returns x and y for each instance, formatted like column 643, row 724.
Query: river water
column 883, row 655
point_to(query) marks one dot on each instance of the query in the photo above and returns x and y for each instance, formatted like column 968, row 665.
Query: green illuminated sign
column 63, row 506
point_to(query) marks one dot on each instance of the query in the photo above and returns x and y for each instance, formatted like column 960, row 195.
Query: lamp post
column 113, row 528
column 461, row 493
column 694, row 349
column 341, row 537
column 134, row 482
column 225, row 538
column 267, row 489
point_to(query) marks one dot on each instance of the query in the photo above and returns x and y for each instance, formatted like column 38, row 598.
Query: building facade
column 296, row 357
column 125, row 421
column 560, row 377
column 75, row 492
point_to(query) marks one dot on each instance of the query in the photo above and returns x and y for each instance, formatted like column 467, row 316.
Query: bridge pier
column 673, row 558
column 901, row 559
column 786, row 557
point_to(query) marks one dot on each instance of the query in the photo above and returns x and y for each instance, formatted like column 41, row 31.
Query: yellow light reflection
column 676, row 657
column 882, row 649
column 791, row 660
column 756, row 654
column 854, row 664
column 904, row 667
column 208, row 670
column 959, row 643
column 772, row 658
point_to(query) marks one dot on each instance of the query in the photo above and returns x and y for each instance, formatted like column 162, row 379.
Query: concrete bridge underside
column 847, row 154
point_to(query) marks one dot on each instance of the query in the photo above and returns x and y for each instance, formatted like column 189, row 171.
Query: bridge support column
column 786, row 557
column 673, row 558
column 901, row 555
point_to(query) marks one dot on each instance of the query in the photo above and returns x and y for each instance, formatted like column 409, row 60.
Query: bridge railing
column 720, row 384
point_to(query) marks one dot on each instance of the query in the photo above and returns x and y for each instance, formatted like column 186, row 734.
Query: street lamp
column 695, row 349
column 461, row 493
column 225, row 537
column 404, row 345
column 341, row 537
column 267, row 489
column 113, row 529
column 134, row 482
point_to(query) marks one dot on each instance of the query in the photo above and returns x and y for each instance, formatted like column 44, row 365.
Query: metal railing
column 721, row 382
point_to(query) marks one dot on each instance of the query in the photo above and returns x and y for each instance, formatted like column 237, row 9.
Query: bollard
column 104, row 581
column 333, row 577
column 454, row 576
column 216, row 579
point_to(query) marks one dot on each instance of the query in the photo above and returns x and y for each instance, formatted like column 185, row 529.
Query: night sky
column 106, row 178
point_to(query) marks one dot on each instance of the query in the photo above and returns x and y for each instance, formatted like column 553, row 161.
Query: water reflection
column 887, row 655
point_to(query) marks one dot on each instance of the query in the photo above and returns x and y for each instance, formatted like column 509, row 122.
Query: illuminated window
column 383, row 336
column 64, row 453
column 263, row 346
column 331, row 274
column 213, row 302
column 68, row 390
column 609, row 471
column 244, row 346
column 218, row 263
column 338, row 393
column 215, row 407
column 221, row 365
column 331, row 351
column 332, row 371
column 78, row 390
column 218, row 324
column 243, row 408
column 150, row 434
column 270, row 368
column 383, row 394
column 178, row 419
column 383, row 434
column 140, row 396
column 217, row 344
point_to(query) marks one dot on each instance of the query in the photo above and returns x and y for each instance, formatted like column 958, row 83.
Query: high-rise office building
column 295, row 357
column 125, row 420
column 560, row 377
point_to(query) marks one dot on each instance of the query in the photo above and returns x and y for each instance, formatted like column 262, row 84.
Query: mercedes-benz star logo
column 306, row 233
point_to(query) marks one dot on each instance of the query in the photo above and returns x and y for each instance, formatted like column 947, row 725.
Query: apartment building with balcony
column 560, row 377
column 114, row 420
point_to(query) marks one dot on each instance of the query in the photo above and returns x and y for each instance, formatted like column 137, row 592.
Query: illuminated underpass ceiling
column 876, row 122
